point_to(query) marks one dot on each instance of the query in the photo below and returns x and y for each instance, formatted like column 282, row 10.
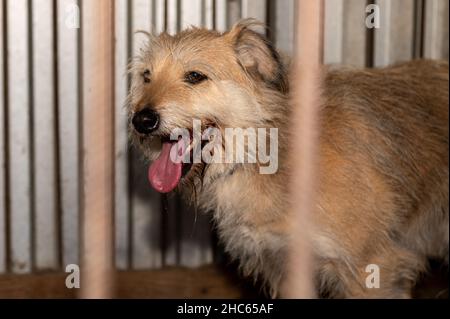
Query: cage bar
column 68, row 113
column 98, row 123
column 306, row 85
column 19, row 144
column 2, row 150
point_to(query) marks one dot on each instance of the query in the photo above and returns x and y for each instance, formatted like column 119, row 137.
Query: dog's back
column 384, row 180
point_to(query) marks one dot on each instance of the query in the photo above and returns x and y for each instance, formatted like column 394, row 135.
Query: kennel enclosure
column 45, row 129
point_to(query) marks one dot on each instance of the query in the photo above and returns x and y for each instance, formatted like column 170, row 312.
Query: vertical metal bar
column 195, row 239
column 394, row 40
column 419, row 21
column 142, row 20
column 345, row 32
column 299, row 283
column 45, row 241
column 191, row 13
column 121, row 169
column 208, row 14
column 19, row 134
column 145, row 203
column 172, row 16
column 68, row 102
column 173, row 221
column 355, row 33
column 256, row 9
column 436, row 29
column 233, row 12
column 160, row 15
column 334, row 32
column 2, row 148
column 98, row 124
column 192, row 247
column 284, row 28
column 220, row 15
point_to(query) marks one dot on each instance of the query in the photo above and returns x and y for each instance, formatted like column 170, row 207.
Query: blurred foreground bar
column 98, row 121
column 299, row 282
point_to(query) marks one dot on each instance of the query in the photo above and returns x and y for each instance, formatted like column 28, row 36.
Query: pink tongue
column 164, row 175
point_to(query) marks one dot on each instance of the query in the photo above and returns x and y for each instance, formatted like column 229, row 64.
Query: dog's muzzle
column 146, row 121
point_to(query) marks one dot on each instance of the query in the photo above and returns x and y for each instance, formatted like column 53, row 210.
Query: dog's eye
column 194, row 77
column 146, row 76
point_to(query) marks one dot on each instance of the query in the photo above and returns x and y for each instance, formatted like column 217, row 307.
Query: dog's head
column 228, row 80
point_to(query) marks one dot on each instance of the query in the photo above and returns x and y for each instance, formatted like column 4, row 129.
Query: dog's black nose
column 146, row 121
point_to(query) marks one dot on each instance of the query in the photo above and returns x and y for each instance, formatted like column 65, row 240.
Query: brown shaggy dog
column 383, row 187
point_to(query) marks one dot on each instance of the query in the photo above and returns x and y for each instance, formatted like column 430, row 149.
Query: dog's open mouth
column 165, row 173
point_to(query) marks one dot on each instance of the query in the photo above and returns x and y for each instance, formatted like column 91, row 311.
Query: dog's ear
column 256, row 54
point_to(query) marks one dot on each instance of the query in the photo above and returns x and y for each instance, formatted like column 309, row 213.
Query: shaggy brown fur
column 383, row 188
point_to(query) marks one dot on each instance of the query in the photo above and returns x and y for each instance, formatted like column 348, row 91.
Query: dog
column 382, row 196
